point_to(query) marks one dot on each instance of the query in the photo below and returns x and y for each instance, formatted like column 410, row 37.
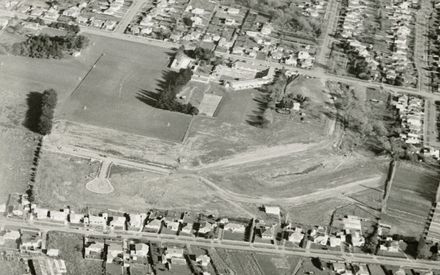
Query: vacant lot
column 299, row 174
column 70, row 246
column 412, row 193
column 61, row 180
column 111, row 95
column 134, row 190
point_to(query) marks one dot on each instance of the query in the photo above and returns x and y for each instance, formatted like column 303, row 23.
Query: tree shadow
column 33, row 114
column 150, row 97
column 257, row 119
column 147, row 97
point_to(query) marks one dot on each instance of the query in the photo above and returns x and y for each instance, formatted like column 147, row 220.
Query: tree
column 48, row 104
column 174, row 82
column 187, row 21
column 371, row 242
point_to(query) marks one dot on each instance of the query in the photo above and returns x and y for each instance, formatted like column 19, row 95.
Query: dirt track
column 348, row 188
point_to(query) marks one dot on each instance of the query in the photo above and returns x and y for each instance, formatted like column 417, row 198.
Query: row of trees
column 45, row 46
column 48, row 104
column 173, row 84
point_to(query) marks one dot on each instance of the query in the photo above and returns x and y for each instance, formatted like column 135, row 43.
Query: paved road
column 421, row 46
column 332, row 19
column 238, row 245
column 129, row 15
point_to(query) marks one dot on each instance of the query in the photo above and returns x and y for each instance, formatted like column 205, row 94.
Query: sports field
column 109, row 94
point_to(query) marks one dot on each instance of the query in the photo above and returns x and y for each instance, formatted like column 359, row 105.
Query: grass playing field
column 109, row 94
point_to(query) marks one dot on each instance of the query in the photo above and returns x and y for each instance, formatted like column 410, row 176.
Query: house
column 53, row 252
column 339, row 268
column 235, row 228
column 153, row 226
column 173, row 225
column 59, row 216
column 187, row 228
column 203, row 260
column 41, row 213
column 266, row 29
column 335, row 241
column 291, row 61
column 268, row 232
column 72, row 12
column 297, row 236
column 357, row 239
column 352, row 223
column 114, row 251
column 93, row 249
column 99, row 222
column 362, row 269
column 51, row 15
column 390, row 245
column 181, row 61
column 31, row 241
column 136, row 222
column 2, row 208
column 9, row 237
column 110, row 25
column 206, row 228
column 118, row 223
column 272, row 210
column 76, row 218
column 140, row 250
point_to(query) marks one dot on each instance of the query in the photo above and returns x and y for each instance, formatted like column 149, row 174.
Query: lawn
column 112, row 95
column 70, row 246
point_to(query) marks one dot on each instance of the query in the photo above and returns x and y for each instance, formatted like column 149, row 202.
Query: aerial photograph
column 219, row 137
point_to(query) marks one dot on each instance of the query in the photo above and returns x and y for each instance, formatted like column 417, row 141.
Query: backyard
column 71, row 246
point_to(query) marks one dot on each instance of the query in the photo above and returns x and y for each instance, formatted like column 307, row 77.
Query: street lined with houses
column 163, row 238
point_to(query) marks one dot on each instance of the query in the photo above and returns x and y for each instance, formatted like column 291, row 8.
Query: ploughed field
column 412, row 193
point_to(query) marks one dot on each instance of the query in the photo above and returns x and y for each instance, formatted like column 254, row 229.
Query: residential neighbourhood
column 219, row 137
